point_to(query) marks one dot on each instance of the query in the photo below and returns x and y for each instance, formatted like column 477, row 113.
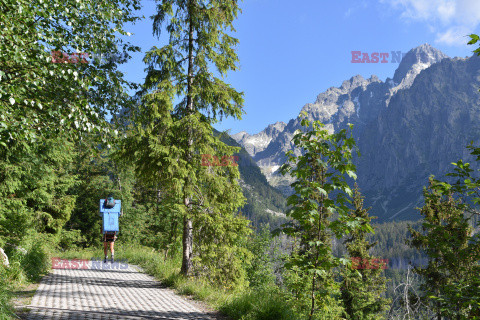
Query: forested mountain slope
column 265, row 204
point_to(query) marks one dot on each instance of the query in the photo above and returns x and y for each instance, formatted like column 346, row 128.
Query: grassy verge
column 22, row 297
column 266, row 303
column 6, row 307
column 19, row 281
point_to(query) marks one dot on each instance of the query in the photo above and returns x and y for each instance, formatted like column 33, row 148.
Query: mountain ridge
column 366, row 103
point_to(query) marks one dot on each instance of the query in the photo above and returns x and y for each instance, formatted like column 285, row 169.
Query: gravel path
column 93, row 290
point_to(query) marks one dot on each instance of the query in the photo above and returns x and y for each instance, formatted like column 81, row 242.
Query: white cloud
column 446, row 11
column 357, row 6
column 348, row 12
column 424, row 9
column 469, row 11
column 450, row 20
column 454, row 36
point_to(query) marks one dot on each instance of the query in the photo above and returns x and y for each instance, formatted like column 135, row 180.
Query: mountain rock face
column 423, row 130
column 406, row 128
column 415, row 61
column 258, row 142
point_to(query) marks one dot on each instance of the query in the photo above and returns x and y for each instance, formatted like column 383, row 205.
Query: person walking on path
column 109, row 236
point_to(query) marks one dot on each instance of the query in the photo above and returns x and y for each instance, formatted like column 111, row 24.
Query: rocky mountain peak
column 240, row 135
column 354, row 82
column 275, row 128
column 258, row 142
column 416, row 60
column 374, row 78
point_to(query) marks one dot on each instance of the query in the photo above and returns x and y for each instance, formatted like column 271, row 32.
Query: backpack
column 109, row 203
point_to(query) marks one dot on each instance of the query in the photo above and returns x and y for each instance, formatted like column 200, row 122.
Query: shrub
column 260, row 271
column 30, row 260
column 36, row 262
column 71, row 239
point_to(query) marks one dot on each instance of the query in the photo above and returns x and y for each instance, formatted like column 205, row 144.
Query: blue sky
column 290, row 51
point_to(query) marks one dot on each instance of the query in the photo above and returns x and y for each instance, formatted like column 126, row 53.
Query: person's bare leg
column 105, row 248
column 112, row 250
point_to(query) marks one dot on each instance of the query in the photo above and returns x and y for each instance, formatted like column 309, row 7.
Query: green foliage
column 220, row 249
column 44, row 106
column 449, row 240
column 321, row 189
column 6, row 308
column 362, row 290
column 165, row 143
column 35, row 262
column 32, row 255
column 214, row 200
column 34, row 184
column 261, row 269
column 266, row 303
column 158, row 223
column 28, row 263
column 39, row 98
column 71, row 239
column 460, row 299
column 474, row 39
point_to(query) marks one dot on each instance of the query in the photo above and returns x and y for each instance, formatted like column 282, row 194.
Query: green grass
column 253, row 304
column 25, row 268
column 259, row 304
column 6, row 308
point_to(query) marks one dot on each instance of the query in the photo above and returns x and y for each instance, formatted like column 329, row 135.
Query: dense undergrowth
column 29, row 261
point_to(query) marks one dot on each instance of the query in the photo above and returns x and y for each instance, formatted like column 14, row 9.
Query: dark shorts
column 109, row 237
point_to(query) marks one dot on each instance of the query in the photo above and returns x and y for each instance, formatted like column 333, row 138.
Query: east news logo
column 376, row 57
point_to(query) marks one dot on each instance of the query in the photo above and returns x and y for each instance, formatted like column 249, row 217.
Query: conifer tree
column 169, row 141
column 363, row 285
column 453, row 250
column 35, row 192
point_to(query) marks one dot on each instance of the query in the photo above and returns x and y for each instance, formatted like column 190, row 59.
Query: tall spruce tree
column 169, row 141
column 363, row 285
